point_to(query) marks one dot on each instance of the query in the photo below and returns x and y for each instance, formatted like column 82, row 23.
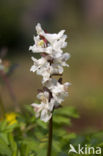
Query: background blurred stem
column 4, row 77
column 2, row 108
column 50, row 137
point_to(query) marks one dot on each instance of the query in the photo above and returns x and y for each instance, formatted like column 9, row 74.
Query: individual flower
column 48, row 43
column 59, row 91
column 37, row 64
column 45, row 71
column 61, row 60
column 11, row 118
column 51, row 38
column 44, row 110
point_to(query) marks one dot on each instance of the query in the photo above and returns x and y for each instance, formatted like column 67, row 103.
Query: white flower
column 59, row 44
column 37, row 63
column 39, row 29
column 57, row 68
column 44, row 97
column 53, row 37
column 44, row 110
column 62, row 59
column 50, row 83
column 40, row 49
column 37, row 108
column 49, row 37
column 45, row 115
column 45, row 42
column 51, row 45
column 45, row 71
column 51, row 63
column 59, row 91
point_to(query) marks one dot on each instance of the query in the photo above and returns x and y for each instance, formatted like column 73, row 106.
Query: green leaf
column 42, row 152
column 57, row 145
column 28, row 146
column 68, row 111
column 13, row 144
column 68, row 136
column 41, row 124
column 4, row 136
column 10, row 128
column 3, row 125
column 4, row 149
column 61, row 120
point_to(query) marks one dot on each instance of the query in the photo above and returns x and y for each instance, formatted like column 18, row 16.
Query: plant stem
column 50, row 137
column 2, row 107
column 5, row 78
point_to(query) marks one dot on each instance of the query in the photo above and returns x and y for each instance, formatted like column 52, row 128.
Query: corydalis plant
column 49, row 65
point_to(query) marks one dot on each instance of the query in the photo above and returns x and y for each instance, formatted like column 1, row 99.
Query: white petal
column 37, row 108
column 52, row 37
column 66, row 56
column 39, row 29
column 51, row 104
column 45, row 115
column 33, row 68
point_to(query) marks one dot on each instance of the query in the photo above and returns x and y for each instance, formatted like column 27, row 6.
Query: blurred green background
column 83, row 21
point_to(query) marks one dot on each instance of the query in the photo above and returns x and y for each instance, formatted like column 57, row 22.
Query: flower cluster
column 51, row 64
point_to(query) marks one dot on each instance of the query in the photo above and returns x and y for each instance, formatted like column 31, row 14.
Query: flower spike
column 51, row 63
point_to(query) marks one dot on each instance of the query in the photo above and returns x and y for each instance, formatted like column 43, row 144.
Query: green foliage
column 4, row 148
column 29, row 136
column 91, row 140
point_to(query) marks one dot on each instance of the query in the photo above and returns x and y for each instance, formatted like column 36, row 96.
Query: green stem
column 50, row 137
